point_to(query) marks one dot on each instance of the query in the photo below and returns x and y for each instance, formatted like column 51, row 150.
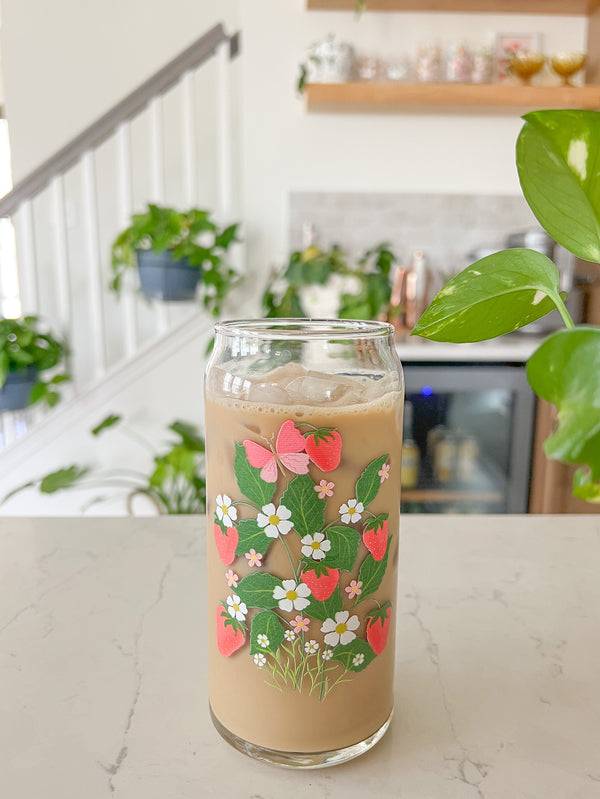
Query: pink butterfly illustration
column 289, row 450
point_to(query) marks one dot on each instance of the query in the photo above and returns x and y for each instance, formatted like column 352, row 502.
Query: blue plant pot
column 162, row 278
column 16, row 391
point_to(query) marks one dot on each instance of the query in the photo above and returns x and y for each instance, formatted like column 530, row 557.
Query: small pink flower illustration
column 384, row 472
column 354, row 589
column 325, row 489
column 254, row 558
column 232, row 579
column 300, row 624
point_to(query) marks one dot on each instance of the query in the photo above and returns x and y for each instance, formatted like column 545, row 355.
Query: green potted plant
column 175, row 484
column 313, row 270
column 558, row 153
column 173, row 250
column 26, row 352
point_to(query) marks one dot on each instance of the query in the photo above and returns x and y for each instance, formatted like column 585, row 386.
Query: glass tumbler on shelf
column 303, row 451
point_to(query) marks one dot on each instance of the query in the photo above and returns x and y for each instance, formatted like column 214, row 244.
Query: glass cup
column 303, row 451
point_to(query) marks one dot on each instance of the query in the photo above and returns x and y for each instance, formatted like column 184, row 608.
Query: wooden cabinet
column 499, row 98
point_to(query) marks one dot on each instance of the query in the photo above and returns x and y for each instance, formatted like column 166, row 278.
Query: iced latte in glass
column 303, row 446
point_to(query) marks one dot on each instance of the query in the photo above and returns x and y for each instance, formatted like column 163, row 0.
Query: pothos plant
column 24, row 344
column 303, row 629
column 315, row 267
column 558, row 160
column 175, row 484
column 192, row 235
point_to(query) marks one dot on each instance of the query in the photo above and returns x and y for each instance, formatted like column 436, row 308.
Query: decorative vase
column 15, row 394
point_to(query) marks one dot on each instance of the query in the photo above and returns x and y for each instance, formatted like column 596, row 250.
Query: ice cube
column 268, row 394
column 314, row 388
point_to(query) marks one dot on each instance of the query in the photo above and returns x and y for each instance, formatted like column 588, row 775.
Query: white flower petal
column 283, row 512
column 271, row 531
column 306, row 539
column 301, row 603
column 332, row 639
column 328, row 626
column 317, row 554
column 319, row 537
column 286, row 604
column 343, row 508
column 289, row 585
column 360, row 507
column 284, row 527
column 261, row 520
column 302, row 589
column 326, row 546
column 307, row 551
column 353, row 623
column 269, row 510
column 342, row 616
column 244, row 609
column 346, row 637
column 232, row 513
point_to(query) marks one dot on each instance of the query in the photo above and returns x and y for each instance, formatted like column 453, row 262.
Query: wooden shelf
column 571, row 7
column 377, row 97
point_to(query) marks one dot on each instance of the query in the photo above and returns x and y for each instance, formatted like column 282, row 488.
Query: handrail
column 197, row 53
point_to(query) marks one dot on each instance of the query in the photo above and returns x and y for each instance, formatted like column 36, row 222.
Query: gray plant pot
column 16, row 391
column 162, row 278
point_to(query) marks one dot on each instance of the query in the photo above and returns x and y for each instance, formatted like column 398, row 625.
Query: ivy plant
column 24, row 343
column 192, row 235
column 175, row 483
column 315, row 267
column 558, row 161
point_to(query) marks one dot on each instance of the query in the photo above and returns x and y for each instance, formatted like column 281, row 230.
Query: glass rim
column 298, row 327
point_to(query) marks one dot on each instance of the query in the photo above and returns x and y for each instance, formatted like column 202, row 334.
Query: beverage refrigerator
column 468, row 436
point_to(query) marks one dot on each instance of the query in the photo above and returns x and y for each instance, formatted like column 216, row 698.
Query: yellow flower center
column 274, row 519
column 341, row 628
column 224, row 508
column 235, row 606
column 351, row 511
column 292, row 595
column 316, row 545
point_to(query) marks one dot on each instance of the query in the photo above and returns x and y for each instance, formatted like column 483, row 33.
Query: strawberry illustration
column 321, row 581
column 231, row 633
column 375, row 536
column 378, row 627
column 324, row 448
column 226, row 542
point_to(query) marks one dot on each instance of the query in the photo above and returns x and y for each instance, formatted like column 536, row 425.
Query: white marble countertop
column 103, row 684
column 515, row 348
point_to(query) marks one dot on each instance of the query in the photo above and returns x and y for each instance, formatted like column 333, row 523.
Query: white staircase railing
column 170, row 141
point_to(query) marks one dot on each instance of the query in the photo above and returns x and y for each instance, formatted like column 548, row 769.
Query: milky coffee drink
column 303, row 442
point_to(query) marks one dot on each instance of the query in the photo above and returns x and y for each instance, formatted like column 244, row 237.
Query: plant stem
column 289, row 554
column 564, row 313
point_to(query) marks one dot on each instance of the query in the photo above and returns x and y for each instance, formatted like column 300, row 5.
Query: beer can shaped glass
column 303, row 447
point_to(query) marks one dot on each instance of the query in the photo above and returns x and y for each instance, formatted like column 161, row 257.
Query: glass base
column 304, row 760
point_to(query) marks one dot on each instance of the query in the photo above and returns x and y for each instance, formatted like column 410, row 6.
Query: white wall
column 284, row 148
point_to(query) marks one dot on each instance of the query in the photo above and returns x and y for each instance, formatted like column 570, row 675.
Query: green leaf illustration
column 354, row 656
column 268, row 624
column 308, row 511
column 565, row 370
column 344, row 547
column 251, row 484
column 251, row 536
column 256, row 590
column 371, row 573
column 326, row 609
column 368, row 483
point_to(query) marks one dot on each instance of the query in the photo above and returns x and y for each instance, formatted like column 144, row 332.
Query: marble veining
column 103, row 673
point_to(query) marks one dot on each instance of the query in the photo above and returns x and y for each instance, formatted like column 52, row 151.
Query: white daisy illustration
column 289, row 635
column 340, row 629
column 237, row 609
column 260, row 660
column 262, row 640
column 292, row 596
column 226, row 512
column 315, row 546
column 350, row 511
column 275, row 521
column 358, row 660
column 311, row 647
column 327, row 654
